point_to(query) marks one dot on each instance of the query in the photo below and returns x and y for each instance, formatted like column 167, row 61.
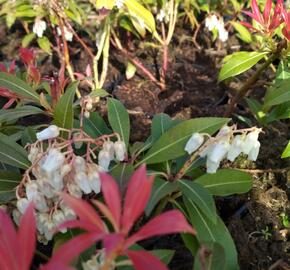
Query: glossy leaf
column 16, row 113
column 95, row 125
column 240, row 62
column 243, row 33
column 8, row 182
column 12, row 153
column 286, row 152
column 63, row 113
column 200, row 196
column 226, row 182
column 119, row 119
column 171, row 144
column 17, row 86
column 161, row 188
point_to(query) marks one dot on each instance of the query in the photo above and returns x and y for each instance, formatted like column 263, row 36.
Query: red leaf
column 144, row 260
column 137, row 196
column 8, row 242
column 55, row 266
column 27, row 237
column 85, row 212
column 113, row 242
column 27, row 56
column 74, row 247
column 256, row 12
column 112, row 196
column 169, row 222
column 267, row 11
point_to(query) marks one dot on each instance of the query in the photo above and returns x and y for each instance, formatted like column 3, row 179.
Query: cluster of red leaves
column 17, row 249
column 269, row 21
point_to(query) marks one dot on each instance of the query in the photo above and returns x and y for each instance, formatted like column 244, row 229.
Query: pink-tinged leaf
column 27, row 237
column 248, row 26
column 144, row 260
column 26, row 55
column 71, row 224
column 107, row 213
column 8, row 104
column 286, row 33
column 256, row 12
column 167, row 223
column 112, row 196
column 9, row 243
column 137, row 196
column 267, row 11
column 56, row 266
column 277, row 17
column 85, row 212
column 113, row 242
column 74, row 247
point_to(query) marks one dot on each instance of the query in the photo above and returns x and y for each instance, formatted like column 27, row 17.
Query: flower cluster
column 226, row 144
column 212, row 22
column 164, row 13
column 54, row 171
column 39, row 27
column 68, row 35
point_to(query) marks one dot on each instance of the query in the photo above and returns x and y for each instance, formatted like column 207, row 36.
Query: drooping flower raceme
column 225, row 145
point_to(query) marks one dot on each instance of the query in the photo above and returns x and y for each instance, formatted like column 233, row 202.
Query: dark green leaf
column 95, row 126
column 8, row 181
column 16, row 113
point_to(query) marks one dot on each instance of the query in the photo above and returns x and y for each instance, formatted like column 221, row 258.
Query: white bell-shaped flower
column 195, row 141
column 95, row 181
column 49, row 133
column 207, row 150
column 104, row 159
column 31, row 190
column 22, row 205
column 58, row 218
column 45, row 188
column 68, row 213
column 219, row 151
column 211, row 22
column 211, row 167
column 120, row 150
column 65, row 169
column 74, row 190
column 253, row 155
column 82, row 181
column 68, row 35
column 250, row 141
column 79, row 164
column 39, row 27
column 235, row 148
column 48, row 229
column 56, row 181
column 109, row 147
column 40, row 203
column 16, row 216
column 53, row 161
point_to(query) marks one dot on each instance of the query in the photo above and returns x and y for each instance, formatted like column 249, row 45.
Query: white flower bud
column 79, row 164
column 205, row 152
column 120, row 150
column 109, row 147
column 250, row 141
column 195, row 141
column 45, row 188
column 40, row 203
column 254, row 151
column 39, row 27
column 22, row 205
column 94, row 181
column 33, row 154
column 67, row 34
column 65, row 169
column 56, row 181
column 58, row 218
column 104, row 159
column 87, row 114
column 53, row 161
column 31, row 190
column 82, row 181
column 48, row 133
column 219, row 151
column 68, row 213
column 74, row 190
column 16, row 216
column 235, row 148
column 211, row 22
column 48, row 229
column 161, row 15
column 211, row 167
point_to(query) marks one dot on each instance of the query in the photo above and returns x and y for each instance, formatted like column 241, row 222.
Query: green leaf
column 286, row 152
column 243, row 33
column 160, row 189
column 226, row 182
column 165, row 255
column 278, row 94
column 240, row 62
column 95, row 126
column 16, row 113
column 63, row 113
column 119, row 119
column 28, row 136
column 122, row 173
column 200, row 197
column 12, row 153
column 27, row 39
column 141, row 13
column 44, row 44
column 171, row 144
column 283, row 72
column 210, row 232
column 8, row 182
column 19, row 87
